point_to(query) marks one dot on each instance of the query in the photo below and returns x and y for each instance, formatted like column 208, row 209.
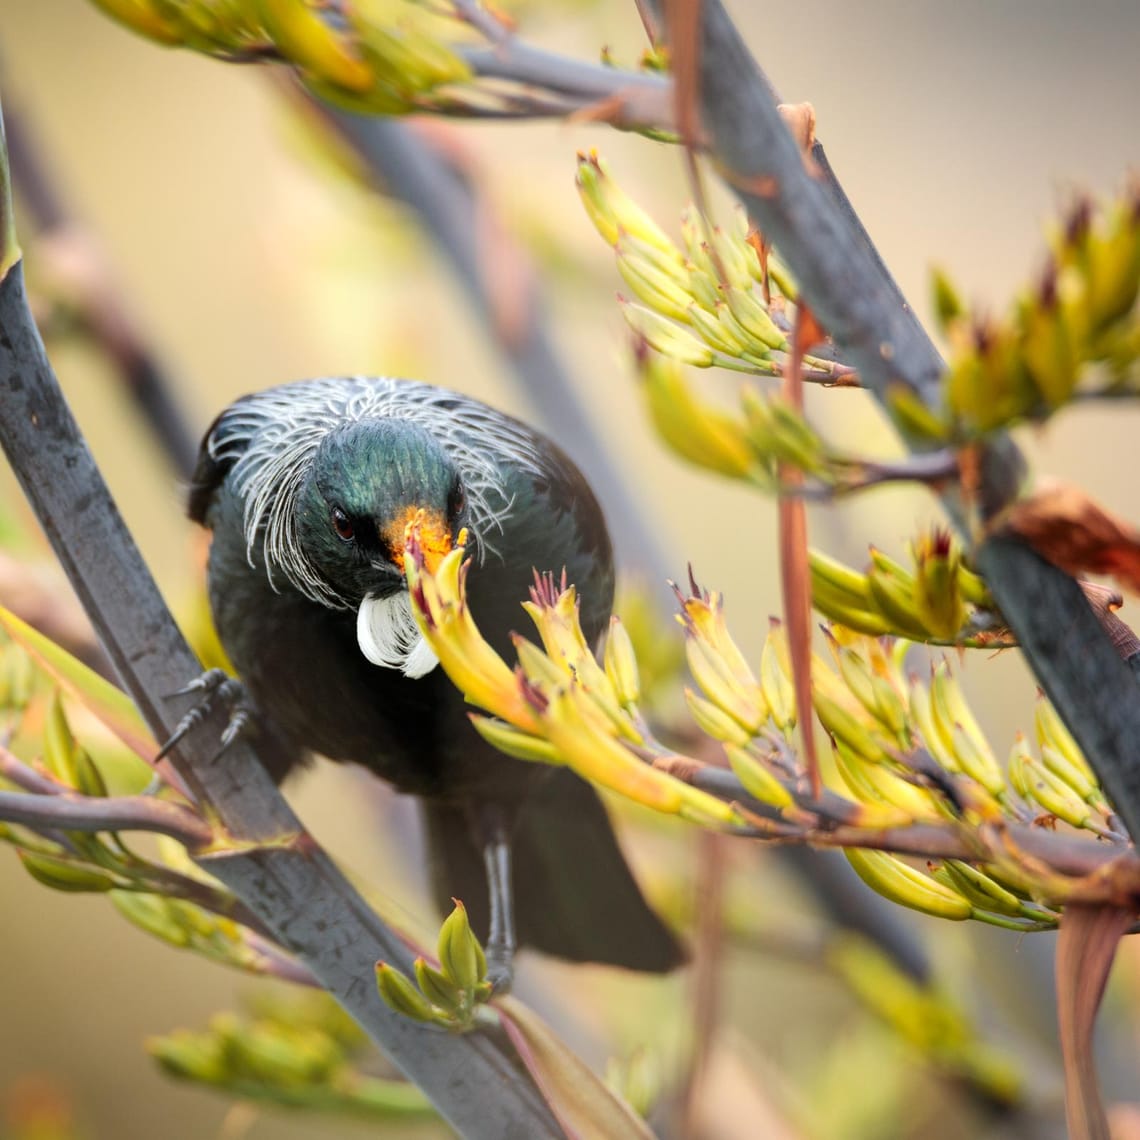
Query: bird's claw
column 500, row 969
column 214, row 685
column 207, row 683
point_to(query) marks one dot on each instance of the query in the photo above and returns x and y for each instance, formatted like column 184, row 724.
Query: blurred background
column 249, row 259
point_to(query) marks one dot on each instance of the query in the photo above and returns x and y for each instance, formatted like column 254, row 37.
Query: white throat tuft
column 388, row 636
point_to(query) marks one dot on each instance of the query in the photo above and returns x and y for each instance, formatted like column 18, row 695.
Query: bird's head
column 368, row 480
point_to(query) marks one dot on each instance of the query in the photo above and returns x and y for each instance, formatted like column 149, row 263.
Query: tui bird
column 307, row 488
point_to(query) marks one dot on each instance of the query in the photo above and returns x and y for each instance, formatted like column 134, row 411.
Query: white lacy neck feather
column 388, row 635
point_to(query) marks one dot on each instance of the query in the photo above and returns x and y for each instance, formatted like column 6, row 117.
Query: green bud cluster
column 940, row 601
column 766, row 437
column 878, row 717
column 387, row 60
column 905, row 752
column 1079, row 323
column 450, row 995
column 704, row 302
column 280, row 1058
column 168, row 896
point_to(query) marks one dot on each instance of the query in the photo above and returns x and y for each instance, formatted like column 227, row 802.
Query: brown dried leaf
column 1065, row 526
column 1104, row 601
column 1085, row 950
column 799, row 118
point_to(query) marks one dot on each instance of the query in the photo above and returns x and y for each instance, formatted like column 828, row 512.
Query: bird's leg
column 214, row 685
column 495, row 843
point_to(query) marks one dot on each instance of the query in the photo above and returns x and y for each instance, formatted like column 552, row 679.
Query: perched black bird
column 307, row 488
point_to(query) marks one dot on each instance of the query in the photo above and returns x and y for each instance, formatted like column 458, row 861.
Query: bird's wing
column 210, row 471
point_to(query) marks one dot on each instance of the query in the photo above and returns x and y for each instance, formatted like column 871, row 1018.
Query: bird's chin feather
column 388, row 635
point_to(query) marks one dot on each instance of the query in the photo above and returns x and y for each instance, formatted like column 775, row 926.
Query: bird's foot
column 500, row 968
column 214, row 685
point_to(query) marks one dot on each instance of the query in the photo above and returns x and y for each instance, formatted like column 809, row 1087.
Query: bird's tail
column 575, row 896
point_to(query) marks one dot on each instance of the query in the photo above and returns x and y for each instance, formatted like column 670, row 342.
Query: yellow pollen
column 434, row 534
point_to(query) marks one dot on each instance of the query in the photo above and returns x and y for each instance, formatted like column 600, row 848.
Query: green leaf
column 106, row 702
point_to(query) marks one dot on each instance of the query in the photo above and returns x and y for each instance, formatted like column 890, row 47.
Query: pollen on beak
column 434, row 533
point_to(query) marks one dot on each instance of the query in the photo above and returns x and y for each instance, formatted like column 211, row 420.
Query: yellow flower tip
column 590, row 158
column 935, row 543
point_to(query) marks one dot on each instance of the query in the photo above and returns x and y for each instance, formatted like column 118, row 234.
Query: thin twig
column 837, row 824
column 15, row 771
column 707, row 977
column 72, row 812
column 472, row 12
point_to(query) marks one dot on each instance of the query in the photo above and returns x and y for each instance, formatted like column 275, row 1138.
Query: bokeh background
column 957, row 131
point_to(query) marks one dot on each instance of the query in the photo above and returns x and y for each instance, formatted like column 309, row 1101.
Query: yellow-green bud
column 712, row 330
column 758, row 781
column 658, row 290
column 621, row 664
column 399, row 994
column 59, row 744
column 714, row 722
column 460, row 954
column 64, row 875
column 153, row 914
column 611, row 210
column 438, row 988
column 513, row 741
column 665, row 337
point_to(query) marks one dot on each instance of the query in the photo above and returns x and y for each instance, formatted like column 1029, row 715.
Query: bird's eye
column 342, row 524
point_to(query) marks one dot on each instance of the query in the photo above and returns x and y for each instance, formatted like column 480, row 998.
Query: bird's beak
column 434, row 535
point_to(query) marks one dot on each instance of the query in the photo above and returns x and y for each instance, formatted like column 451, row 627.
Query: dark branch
column 800, row 207
column 70, row 812
column 273, row 866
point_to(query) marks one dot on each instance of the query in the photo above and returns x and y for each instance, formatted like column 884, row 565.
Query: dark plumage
column 306, row 488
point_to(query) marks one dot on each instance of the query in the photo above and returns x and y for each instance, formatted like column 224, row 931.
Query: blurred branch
column 624, row 99
column 39, row 595
column 270, row 863
column 801, row 208
column 76, row 263
column 408, row 166
column 707, row 982
column 15, row 771
column 64, row 812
